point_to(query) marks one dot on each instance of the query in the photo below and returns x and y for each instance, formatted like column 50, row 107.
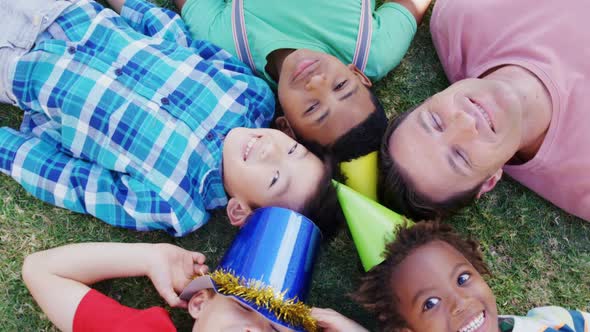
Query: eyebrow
column 349, row 94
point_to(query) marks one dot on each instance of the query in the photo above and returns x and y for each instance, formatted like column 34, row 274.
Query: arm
column 332, row 321
column 153, row 21
column 117, row 198
column 58, row 278
column 117, row 5
column 416, row 7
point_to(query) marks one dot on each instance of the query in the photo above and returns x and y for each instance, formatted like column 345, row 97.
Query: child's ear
column 237, row 211
column 490, row 183
column 198, row 302
column 362, row 77
column 283, row 125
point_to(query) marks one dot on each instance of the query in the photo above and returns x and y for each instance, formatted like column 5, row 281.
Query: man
column 518, row 104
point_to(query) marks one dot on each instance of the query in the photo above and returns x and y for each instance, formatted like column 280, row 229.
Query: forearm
column 416, row 7
column 117, row 5
column 58, row 278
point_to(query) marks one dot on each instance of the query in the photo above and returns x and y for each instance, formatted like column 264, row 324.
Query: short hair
column 360, row 140
column 323, row 207
column 399, row 193
column 376, row 293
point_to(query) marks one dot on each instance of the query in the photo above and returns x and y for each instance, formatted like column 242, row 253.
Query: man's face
column 265, row 167
column 458, row 138
column 223, row 313
column 321, row 97
column 439, row 290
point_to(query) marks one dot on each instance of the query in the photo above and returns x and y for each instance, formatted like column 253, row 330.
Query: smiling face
column 321, row 97
column 264, row 167
column 439, row 290
column 459, row 137
column 224, row 313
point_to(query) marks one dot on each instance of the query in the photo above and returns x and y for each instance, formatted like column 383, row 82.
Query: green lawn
column 539, row 255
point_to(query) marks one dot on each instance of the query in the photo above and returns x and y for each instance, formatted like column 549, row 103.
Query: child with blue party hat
column 260, row 284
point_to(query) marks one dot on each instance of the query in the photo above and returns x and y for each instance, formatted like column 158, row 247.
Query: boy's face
column 439, row 290
column 222, row 313
column 321, row 97
column 265, row 167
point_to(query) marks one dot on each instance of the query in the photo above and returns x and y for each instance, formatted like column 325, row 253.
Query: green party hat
column 370, row 223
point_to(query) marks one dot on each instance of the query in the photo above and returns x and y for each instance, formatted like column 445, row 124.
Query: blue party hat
column 268, row 267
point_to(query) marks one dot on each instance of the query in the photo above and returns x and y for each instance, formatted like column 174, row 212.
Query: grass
column 539, row 255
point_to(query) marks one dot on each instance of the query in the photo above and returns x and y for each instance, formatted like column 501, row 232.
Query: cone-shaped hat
column 361, row 174
column 370, row 223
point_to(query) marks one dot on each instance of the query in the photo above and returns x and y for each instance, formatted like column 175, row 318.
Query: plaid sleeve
column 155, row 21
column 75, row 184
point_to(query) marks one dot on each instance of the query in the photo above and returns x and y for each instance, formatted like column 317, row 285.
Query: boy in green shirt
column 307, row 43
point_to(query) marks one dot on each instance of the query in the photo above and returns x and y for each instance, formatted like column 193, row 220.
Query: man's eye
column 311, row 108
column 293, row 148
column 462, row 156
column 340, row 85
column 463, row 278
column 437, row 124
column 275, row 178
column 430, row 303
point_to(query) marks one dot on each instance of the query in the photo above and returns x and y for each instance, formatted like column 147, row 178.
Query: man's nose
column 460, row 127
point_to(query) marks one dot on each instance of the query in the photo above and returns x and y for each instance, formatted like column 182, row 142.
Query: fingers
column 201, row 269
column 172, row 299
column 198, row 257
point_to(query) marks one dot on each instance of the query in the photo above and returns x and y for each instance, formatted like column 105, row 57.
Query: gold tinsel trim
column 292, row 311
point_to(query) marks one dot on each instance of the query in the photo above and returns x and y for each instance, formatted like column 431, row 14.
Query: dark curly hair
column 376, row 294
column 397, row 192
column 358, row 141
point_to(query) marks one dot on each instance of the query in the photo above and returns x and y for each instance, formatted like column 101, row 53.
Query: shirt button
column 209, row 136
column 165, row 101
column 118, row 71
column 71, row 50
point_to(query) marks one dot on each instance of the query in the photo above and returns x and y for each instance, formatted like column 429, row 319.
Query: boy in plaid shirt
column 128, row 119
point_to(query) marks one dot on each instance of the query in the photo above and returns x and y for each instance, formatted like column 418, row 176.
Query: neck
column 274, row 62
column 536, row 106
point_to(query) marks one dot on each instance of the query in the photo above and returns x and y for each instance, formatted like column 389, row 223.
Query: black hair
column 358, row 141
column 323, row 207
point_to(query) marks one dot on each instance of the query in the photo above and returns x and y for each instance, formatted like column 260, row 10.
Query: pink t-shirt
column 550, row 39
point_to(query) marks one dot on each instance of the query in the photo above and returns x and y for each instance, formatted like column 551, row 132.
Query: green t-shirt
column 329, row 26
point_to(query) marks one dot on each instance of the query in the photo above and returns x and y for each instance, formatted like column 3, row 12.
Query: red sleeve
column 98, row 312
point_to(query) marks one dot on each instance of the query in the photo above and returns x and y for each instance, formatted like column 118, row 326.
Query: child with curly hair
column 432, row 280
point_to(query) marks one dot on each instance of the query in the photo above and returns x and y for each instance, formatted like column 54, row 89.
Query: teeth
column 476, row 323
column 485, row 116
column 249, row 146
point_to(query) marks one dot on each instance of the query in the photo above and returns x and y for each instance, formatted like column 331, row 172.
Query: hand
column 171, row 268
column 331, row 321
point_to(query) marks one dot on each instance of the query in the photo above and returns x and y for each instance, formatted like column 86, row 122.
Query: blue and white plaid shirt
column 125, row 117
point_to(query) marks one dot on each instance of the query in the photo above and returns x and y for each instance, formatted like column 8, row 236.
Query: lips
column 474, row 324
column 304, row 68
column 248, row 148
